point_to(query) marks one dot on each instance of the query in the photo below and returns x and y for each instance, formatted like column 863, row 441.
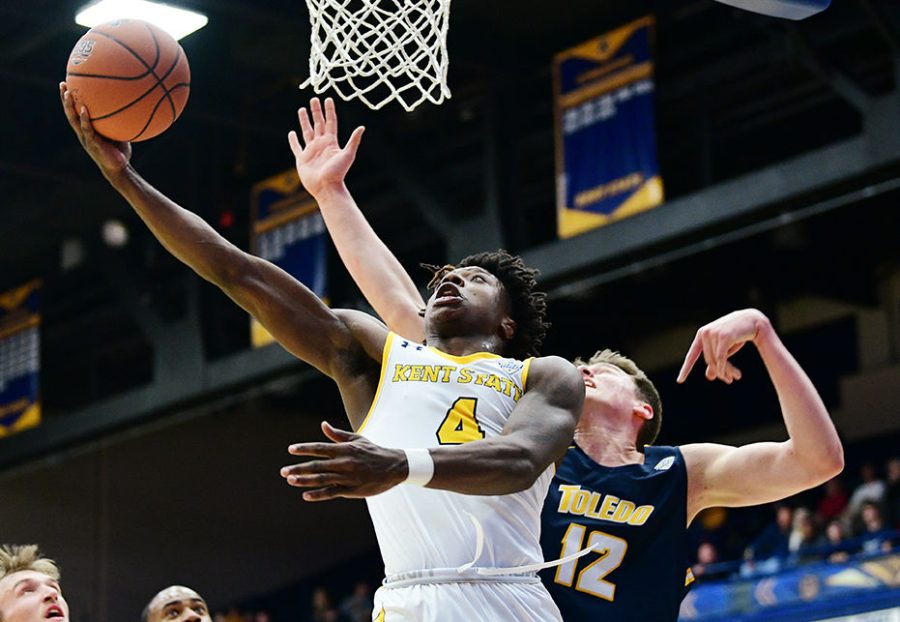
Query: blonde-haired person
column 613, row 492
column 29, row 586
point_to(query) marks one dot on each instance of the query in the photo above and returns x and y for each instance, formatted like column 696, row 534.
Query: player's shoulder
column 368, row 333
column 699, row 457
column 555, row 370
column 696, row 454
column 661, row 450
column 662, row 457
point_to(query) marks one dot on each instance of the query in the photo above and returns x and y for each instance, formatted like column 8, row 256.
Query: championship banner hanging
column 287, row 229
column 606, row 167
column 20, row 319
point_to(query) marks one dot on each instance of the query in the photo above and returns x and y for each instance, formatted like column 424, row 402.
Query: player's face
column 608, row 388
column 178, row 604
column 29, row 596
column 471, row 297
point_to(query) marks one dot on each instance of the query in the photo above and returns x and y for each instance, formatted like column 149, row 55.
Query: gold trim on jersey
column 385, row 353
column 526, row 366
column 468, row 358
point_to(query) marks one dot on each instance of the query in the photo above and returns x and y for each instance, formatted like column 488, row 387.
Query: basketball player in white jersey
column 415, row 402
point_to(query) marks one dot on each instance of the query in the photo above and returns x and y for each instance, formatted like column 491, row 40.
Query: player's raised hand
column 350, row 466
column 719, row 340
column 321, row 162
column 109, row 155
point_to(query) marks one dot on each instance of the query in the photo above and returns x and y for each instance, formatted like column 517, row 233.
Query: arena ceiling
column 735, row 91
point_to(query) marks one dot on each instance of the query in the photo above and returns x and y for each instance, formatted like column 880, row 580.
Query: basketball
column 133, row 77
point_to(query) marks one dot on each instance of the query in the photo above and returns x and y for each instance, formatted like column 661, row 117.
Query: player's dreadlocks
column 528, row 308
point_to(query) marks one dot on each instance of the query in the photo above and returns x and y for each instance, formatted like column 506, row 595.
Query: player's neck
column 463, row 346
column 609, row 446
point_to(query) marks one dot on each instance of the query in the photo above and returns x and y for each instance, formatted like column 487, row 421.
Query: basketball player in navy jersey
column 633, row 502
column 615, row 493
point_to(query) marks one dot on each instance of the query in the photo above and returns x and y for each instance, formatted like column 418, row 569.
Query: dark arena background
column 162, row 427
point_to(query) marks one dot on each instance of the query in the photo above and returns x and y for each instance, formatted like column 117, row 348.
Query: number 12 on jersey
column 592, row 578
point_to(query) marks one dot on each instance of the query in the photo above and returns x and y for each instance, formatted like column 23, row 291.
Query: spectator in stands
column 176, row 603
column 876, row 536
column 834, row 502
column 262, row 616
column 802, row 536
column 357, row 607
column 233, row 615
column 711, row 525
column 836, row 547
column 322, row 610
column 871, row 489
column 29, row 586
column 219, row 617
column 892, row 494
column 773, row 542
column 707, row 559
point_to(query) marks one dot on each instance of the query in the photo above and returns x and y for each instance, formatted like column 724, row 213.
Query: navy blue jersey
column 637, row 514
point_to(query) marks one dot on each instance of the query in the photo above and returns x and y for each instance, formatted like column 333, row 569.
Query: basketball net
column 380, row 50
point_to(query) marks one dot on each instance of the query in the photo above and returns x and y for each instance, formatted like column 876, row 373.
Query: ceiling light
column 176, row 21
column 114, row 233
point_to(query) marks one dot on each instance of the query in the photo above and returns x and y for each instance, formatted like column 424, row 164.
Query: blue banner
column 20, row 321
column 288, row 230
column 817, row 591
column 606, row 163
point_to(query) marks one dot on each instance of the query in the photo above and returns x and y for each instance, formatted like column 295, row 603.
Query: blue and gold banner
column 287, row 229
column 606, row 166
column 20, row 320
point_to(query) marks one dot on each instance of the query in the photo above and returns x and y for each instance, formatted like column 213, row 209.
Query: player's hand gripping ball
column 132, row 76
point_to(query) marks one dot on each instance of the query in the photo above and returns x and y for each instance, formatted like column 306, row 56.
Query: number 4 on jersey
column 460, row 425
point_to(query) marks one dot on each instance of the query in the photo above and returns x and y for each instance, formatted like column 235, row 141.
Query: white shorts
column 433, row 599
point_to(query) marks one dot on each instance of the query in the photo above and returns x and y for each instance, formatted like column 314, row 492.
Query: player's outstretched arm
column 293, row 314
column 322, row 165
column 760, row 472
column 538, row 432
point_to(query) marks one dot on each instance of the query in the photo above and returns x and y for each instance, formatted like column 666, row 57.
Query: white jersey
column 427, row 398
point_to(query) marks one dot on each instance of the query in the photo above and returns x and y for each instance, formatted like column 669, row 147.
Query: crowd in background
column 829, row 523
column 355, row 606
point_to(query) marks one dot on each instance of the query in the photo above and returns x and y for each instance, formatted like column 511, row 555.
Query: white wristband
column 421, row 466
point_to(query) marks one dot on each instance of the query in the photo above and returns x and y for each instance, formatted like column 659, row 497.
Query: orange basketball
column 133, row 77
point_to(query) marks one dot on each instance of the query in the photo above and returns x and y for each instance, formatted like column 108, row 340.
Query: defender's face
column 29, row 596
column 178, row 604
column 609, row 386
column 470, row 294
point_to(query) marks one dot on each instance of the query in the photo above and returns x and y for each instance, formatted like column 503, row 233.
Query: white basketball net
column 380, row 50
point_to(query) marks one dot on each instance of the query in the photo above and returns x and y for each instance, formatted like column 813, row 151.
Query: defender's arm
column 760, row 472
column 322, row 165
